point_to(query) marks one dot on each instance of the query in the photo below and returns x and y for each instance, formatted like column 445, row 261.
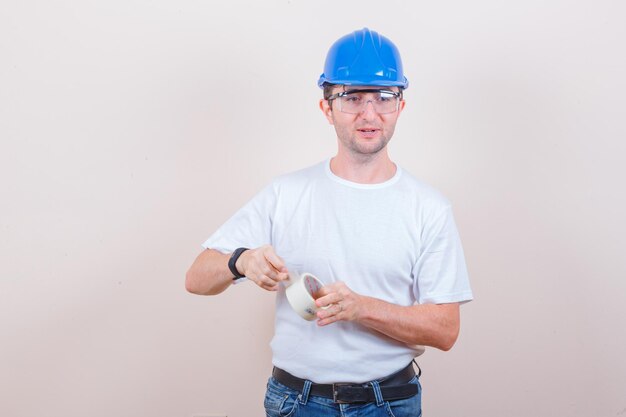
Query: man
column 385, row 244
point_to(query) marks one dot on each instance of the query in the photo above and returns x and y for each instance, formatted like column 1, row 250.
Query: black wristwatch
column 233, row 260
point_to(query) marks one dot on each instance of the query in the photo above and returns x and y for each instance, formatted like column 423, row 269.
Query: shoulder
column 299, row 178
column 427, row 196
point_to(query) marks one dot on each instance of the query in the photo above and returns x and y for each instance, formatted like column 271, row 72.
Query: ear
column 327, row 110
column 402, row 104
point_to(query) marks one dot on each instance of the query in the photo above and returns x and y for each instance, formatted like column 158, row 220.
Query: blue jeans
column 281, row 401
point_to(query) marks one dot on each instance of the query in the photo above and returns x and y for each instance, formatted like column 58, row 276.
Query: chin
column 370, row 147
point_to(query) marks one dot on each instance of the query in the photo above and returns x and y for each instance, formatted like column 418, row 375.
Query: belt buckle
column 336, row 393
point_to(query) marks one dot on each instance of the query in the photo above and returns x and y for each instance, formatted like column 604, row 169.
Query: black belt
column 393, row 387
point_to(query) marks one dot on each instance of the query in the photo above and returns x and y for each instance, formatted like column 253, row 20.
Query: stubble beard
column 363, row 150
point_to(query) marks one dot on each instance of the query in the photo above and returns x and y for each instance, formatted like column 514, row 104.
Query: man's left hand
column 342, row 304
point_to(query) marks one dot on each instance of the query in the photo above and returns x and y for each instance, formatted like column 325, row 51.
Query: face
column 363, row 134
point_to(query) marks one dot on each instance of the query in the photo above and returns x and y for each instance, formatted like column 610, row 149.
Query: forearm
column 435, row 325
column 209, row 274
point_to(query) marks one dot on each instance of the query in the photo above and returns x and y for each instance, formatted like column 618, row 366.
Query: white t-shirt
column 396, row 241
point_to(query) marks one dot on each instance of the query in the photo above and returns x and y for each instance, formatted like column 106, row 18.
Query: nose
column 369, row 112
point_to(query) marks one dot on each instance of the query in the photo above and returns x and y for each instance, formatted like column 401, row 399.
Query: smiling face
column 364, row 134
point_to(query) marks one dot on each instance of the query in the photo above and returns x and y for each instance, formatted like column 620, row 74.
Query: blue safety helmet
column 363, row 58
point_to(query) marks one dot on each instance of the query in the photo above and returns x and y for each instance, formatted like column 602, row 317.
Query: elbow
column 192, row 283
column 446, row 344
column 448, row 339
column 450, row 327
column 203, row 277
column 195, row 284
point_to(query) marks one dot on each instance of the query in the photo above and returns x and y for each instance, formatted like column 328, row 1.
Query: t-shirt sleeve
column 249, row 227
column 440, row 273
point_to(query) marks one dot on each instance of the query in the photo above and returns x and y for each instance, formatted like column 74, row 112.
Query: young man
column 385, row 244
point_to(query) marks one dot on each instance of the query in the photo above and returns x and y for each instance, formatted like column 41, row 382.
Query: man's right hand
column 263, row 266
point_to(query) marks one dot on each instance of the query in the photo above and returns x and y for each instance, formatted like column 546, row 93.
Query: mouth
column 368, row 131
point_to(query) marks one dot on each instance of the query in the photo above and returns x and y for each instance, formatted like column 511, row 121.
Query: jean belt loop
column 377, row 394
column 304, row 397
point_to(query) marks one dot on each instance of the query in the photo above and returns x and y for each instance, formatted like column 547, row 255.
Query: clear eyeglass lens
column 354, row 103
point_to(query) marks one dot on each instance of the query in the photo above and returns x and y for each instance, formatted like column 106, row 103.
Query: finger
column 265, row 281
column 268, row 285
column 270, row 281
column 325, row 290
column 330, row 312
column 275, row 261
column 282, row 276
column 328, row 299
column 335, row 309
column 324, row 321
column 273, row 274
column 334, row 288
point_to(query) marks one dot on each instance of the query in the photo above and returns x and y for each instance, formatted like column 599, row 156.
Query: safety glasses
column 354, row 101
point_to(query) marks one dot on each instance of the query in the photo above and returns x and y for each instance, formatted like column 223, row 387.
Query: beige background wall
column 130, row 130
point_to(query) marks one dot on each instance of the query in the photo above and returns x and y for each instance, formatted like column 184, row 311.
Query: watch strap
column 233, row 261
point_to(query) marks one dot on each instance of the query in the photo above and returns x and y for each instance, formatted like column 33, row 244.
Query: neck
column 363, row 169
